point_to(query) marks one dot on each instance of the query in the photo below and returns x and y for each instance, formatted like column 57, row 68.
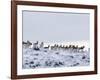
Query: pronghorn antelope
column 37, row 46
column 26, row 44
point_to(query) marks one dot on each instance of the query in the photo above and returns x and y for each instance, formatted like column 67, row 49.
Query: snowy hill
column 45, row 58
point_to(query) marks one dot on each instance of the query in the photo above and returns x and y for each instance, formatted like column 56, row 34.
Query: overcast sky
column 53, row 26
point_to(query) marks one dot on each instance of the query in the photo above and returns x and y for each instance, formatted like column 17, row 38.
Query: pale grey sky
column 55, row 26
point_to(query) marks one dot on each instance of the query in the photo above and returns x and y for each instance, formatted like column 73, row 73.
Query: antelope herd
column 39, row 46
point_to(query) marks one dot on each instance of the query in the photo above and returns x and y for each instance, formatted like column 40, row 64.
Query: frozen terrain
column 45, row 58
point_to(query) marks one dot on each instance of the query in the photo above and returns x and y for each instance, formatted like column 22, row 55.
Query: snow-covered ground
column 45, row 58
